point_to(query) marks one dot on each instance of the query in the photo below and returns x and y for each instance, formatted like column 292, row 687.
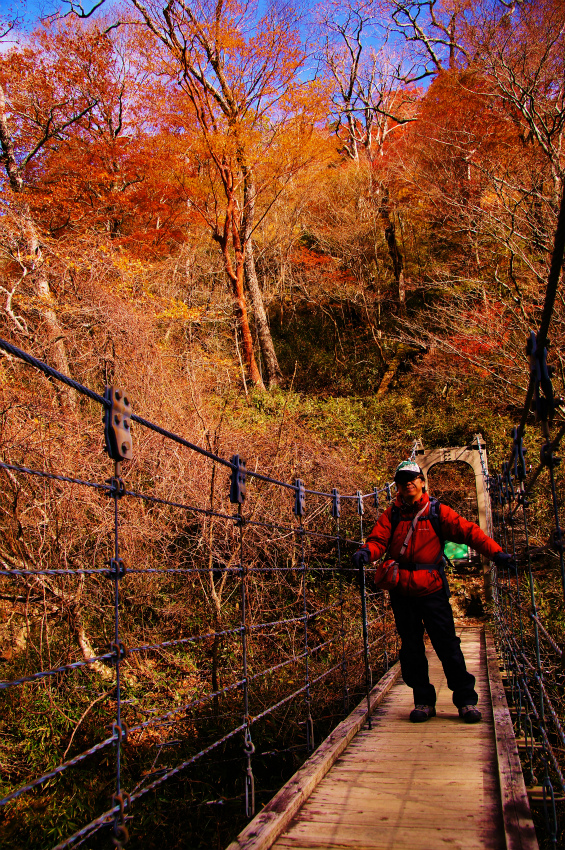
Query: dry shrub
column 129, row 327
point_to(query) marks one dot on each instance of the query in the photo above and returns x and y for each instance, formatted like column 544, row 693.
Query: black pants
column 412, row 615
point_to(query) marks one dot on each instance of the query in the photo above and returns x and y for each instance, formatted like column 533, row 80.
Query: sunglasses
column 405, row 479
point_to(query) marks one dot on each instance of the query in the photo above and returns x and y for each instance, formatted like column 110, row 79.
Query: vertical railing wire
column 120, row 836
column 342, row 614
column 248, row 745
column 550, row 811
column 118, row 444
column 299, row 508
column 238, row 492
column 383, row 607
column 307, row 693
column 365, row 625
column 360, row 514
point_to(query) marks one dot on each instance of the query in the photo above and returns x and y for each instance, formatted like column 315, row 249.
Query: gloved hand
column 361, row 557
column 504, row 559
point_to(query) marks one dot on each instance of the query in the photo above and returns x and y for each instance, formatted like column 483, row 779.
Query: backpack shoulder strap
column 435, row 521
column 394, row 520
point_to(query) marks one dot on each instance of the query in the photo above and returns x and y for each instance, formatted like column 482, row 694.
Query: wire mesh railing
column 166, row 622
column 529, row 595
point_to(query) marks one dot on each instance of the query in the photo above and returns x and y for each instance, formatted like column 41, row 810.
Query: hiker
column 412, row 532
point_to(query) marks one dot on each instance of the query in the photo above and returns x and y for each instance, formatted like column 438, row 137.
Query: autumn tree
column 112, row 174
column 42, row 96
column 237, row 67
column 491, row 130
column 369, row 101
column 434, row 31
column 522, row 52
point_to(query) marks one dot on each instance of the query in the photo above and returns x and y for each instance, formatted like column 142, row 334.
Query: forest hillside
column 308, row 238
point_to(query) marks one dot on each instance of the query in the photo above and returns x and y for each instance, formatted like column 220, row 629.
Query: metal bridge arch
column 474, row 454
column 470, row 454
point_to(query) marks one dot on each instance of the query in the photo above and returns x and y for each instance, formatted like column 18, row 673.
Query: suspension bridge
column 286, row 659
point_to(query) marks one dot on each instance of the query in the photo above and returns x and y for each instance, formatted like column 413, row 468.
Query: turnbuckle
column 360, row 505
column 336, row 504
column 117, row 424
column 238, row 478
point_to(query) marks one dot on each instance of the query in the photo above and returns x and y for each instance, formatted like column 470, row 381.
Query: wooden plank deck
column 409, row 785
column 405, row 786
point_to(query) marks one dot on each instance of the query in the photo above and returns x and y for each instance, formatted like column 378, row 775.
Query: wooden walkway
column 405, row 786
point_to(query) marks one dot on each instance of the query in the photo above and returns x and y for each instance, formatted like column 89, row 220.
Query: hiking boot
column 470, row 713
column 421, row 712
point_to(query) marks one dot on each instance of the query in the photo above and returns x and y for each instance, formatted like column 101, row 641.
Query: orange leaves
column 321, row 270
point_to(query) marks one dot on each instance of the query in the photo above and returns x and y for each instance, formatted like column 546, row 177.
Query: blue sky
column 29, row 11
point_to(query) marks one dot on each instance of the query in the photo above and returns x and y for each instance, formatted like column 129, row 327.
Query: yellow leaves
column 129, row 266
column 178, row 311
column 135, row 287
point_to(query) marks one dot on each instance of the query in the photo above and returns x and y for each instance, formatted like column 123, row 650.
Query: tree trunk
column 236, row 278
column 47, row 309
column 240, row 309
column 31, row 251
column 274, row 374
column 393, row 249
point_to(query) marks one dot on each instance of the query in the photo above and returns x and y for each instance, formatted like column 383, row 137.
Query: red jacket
column 424, row 546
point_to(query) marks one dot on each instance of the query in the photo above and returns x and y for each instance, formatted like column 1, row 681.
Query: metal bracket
column 541, row 372
column 238, row 487
column 547, row 457
column 123, row 800
column 336, row 504
column 360, row 505
column 300, row 497
column 119, row 730
column 117, row 424
column 120, row 650
column 121, row 835
column 519, row 456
